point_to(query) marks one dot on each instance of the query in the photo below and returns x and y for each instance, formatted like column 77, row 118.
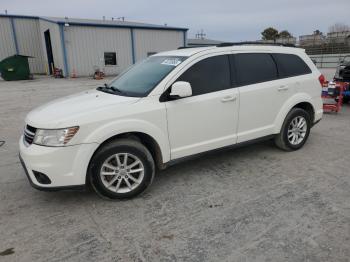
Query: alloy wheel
column 297, row 130
column 122, row 172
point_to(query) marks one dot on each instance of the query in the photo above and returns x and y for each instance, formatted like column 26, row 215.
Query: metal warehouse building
column 77, row 46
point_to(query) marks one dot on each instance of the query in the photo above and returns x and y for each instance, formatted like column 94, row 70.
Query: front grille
column 29, row 133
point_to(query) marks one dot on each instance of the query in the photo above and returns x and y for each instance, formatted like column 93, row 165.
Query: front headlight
column 54, row 137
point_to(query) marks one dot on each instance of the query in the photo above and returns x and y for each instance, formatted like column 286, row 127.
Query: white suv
column 169, row 106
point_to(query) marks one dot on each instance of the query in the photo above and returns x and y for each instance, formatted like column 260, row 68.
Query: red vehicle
column 333, row 91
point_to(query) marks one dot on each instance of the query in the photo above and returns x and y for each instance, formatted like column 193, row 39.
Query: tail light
column 322, row 80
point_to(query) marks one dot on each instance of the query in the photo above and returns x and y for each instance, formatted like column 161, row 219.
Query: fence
column 328, row 60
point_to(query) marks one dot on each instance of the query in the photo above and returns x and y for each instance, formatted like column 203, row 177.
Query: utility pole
column 200, row 34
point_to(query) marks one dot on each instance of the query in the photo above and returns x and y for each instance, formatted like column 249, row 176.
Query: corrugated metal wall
column 55, row 42
column 7, row 46
column 147, row 40
column 86, row 47
column 29, row 43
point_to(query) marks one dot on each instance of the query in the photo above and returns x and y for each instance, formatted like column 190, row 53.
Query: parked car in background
column 343, row 70
column 342, row 74
column 171, row 105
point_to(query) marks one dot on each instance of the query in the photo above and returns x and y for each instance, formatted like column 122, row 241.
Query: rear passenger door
column 262, row 94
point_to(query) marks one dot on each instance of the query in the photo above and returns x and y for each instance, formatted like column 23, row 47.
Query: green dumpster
column 15, row 67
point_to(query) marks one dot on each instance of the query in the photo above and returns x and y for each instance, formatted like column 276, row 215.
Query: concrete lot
column 255, row 203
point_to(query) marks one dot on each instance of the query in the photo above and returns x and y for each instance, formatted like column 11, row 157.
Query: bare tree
column 339, row 27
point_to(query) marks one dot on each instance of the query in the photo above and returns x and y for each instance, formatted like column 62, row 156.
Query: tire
column 117, row 180
column 292, row 119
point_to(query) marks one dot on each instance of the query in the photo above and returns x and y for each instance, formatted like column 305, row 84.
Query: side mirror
column 180, row 89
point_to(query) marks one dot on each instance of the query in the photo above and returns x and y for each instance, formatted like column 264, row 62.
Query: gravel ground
column 255, row 203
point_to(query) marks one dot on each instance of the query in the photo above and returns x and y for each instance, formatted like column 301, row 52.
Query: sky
column 225, row 20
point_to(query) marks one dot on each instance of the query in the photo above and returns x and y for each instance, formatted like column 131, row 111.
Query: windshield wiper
column 113, row 88
column 106, row 88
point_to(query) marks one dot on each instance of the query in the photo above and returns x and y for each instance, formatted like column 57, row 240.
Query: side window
column 290, row 65
column 209, row 75
column 252, row 68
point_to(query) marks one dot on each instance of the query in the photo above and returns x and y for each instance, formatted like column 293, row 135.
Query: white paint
column 181, row 127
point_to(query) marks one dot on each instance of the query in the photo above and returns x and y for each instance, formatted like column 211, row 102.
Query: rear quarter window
column 290, row 65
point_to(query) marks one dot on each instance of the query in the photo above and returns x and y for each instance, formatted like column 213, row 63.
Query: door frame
column 49, row 51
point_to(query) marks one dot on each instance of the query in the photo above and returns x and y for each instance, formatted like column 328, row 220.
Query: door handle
column 228, row 98
column 282, row 88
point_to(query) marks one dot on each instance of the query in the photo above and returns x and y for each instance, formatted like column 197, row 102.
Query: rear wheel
column 295, row 130
column 121, row 169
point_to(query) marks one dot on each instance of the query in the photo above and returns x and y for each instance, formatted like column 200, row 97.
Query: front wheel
column 295, row 130
column 121, row 169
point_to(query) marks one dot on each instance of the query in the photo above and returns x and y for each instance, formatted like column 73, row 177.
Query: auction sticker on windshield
column 172, row 61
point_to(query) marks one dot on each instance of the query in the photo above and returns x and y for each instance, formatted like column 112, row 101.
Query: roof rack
column 185, row 47
column 253, row 43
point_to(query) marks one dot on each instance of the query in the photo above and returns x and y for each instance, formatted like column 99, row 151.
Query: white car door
column 207, row 119
column 262, row 94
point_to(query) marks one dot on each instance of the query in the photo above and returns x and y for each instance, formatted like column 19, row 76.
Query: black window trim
column 233, row 71
column 164, row 97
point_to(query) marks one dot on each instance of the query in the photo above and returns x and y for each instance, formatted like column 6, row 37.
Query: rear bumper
column 316, row 122
column 318, row 116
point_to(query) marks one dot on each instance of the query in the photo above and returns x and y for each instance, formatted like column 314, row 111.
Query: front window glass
column 208, row 75
column 143, row 77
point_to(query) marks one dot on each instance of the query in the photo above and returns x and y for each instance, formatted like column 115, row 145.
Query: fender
column 104, row 132
column 288, row 105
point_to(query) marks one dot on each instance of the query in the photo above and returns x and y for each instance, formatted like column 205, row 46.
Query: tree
column 339, row 27
column 284, row 34
column 269, row 34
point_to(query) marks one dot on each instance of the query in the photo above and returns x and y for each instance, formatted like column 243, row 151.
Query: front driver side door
column 207, row 119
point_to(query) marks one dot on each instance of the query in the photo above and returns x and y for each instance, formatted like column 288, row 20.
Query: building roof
column 98, row 23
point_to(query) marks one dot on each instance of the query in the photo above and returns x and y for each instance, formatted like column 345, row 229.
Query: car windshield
column 140, row 79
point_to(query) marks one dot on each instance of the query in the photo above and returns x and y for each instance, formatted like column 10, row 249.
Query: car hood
column 68, row 110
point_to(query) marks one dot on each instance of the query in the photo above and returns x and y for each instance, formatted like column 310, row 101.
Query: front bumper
column 66, row 167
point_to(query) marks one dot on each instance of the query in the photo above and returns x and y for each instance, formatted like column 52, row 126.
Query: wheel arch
column 147, row 140
column 303, row 101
